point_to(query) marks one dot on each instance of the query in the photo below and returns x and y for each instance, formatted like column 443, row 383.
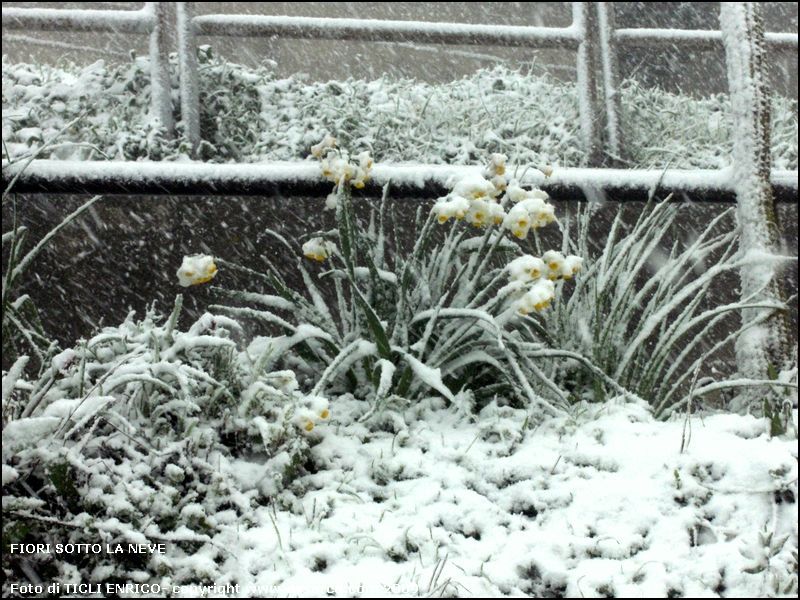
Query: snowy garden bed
column 100, row 112
column 486, row 411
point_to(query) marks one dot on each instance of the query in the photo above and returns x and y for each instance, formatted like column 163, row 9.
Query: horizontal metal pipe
column 694, row 38
column 386, row 31
column 409, row 181
column 56, row 19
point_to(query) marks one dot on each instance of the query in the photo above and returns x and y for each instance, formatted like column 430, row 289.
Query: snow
column 408, row 174
column 532, row 118
column 644, row 36
column 600, row 501
column 747, row 73
column 121, row 21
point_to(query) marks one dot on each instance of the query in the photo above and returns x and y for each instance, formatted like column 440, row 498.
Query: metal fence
column 592, row 35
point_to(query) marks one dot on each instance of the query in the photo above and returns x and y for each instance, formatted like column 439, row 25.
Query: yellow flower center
column 309, row 426
column 324, row 414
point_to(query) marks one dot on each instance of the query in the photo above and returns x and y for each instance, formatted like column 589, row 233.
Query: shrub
column 134, row 436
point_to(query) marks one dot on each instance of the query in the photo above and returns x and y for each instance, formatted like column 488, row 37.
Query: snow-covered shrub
column 248, row 114
column 459, row 314
column 650, row 317
column 133, row 437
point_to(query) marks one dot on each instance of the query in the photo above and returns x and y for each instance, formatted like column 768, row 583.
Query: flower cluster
column 339, row 168
column 530, row 210
column 541, row 273
column 318, row 249
column 480, row 200
column 310, row 410
column 196, row 269
column 473, row 198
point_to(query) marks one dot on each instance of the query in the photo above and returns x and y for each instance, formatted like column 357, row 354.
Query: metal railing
column 592, row 35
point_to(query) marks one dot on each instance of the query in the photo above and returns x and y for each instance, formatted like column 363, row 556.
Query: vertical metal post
column 189, row 87
column 585, row 20
column 610, row 84
column 161, row 102
column 763, row 349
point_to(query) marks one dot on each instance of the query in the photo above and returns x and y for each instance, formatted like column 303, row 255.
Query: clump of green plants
column 459, row 315
column 645, row 311
column 134, row 436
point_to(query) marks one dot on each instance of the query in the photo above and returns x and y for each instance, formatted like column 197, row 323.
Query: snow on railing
column 406, row 180
column 375, row 30
column 766, row 349
column 696, row 38
column 58, row 19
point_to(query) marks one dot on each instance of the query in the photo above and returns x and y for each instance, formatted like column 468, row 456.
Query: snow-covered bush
column 457, row 315
column 248, row 114
column 134, row 436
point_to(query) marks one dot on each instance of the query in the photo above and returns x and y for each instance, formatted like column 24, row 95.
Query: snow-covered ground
column 607, row 502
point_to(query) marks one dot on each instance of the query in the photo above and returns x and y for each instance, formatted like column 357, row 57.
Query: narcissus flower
column 451, row 207
column 497, row 164
column 479, row 213
column 318, row 249
column 572, row 265
column 196, row 269
column 473, row 187
column 554, row 262
column 518, row 221
column 310, row 410
column 537, row 298
column 497, row 213
column 526, row 268
column 319, row 150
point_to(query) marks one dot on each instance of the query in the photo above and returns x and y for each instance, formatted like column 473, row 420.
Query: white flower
column 318, row 405
column 518, row 220
column 479, row 213
column 196, row 269
column 515, row 192
column 526, row 268
column 537, row 298
column 331, row 200
column 496, row 213
column 310, row 410
column 318, row 249
column 364, row 160
column 497, row 164
column 363, row 170
column 555, row 263
column 474, row 186
column 572, row 264
column 318, row 150
column 446, row 208
column 500, row 184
